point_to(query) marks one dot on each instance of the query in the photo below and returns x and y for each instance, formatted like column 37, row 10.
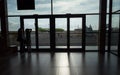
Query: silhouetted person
column 21, row 39
column 28, row 39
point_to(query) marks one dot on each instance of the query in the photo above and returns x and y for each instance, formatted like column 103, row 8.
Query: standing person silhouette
column 28, row 39
column 21, row 39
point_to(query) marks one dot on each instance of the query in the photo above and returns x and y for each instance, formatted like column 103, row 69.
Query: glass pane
column 41, row 7
column 75, row 32
column 75, row 6
column 116, row 5
column 92, row 32
column 115, row 33
column 30, row 24
column 61, row 32
column 44, row 34
column 59, row 7
column 13, row 26
column 107, row 6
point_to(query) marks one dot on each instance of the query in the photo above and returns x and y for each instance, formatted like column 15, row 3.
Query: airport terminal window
column 44, row 33
column 76, row 32
column 115, row 33
column 13, row 26
column 41, row 7
column 115, row 26
column 116, row 5
column 44, row 7
column 59, row 7
column 75, row 6
column 30, row 24
column 108, row 6
column 92, row 32
column 61, row 32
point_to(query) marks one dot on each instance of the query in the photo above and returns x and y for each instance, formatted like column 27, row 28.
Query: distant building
column 78, row 30
column 89, row 29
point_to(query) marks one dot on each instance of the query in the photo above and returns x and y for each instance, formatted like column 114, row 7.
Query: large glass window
column 75, row 6
column 63, row 7
column 59, row 7
column 14, row 25
column 44, row 33
column 30, row 24
column 116, row 5
column 61, row 32
column 115, row 26
column 76, row 32
column 115, row 33
column 92, row 25
column 41, row 7
column 107, row 6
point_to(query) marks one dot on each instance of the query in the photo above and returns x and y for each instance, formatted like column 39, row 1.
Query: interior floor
column 89, row 63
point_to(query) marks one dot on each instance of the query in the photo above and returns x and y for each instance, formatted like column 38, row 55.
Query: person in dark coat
column 21, row 39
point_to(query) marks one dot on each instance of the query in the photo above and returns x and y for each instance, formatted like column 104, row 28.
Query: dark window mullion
column 52, row 33
column 83, row 32
column 36, row 33
column 68, row 32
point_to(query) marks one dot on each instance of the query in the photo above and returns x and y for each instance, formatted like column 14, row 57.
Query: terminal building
column 60, row 37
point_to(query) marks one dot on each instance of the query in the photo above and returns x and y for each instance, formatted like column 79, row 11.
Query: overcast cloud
column 59, row 7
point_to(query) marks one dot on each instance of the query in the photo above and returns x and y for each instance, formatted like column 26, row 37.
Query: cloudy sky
column 59, row 7
column 43, row 7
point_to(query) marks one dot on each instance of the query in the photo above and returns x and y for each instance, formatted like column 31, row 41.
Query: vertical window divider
column 52, row 33
column 68, row 32
column 83, row 32
column 36, row 33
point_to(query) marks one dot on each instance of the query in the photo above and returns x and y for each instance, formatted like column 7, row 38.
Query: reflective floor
column 89, row 63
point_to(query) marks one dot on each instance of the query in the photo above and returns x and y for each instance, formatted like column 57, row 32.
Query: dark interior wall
column 4, row 25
